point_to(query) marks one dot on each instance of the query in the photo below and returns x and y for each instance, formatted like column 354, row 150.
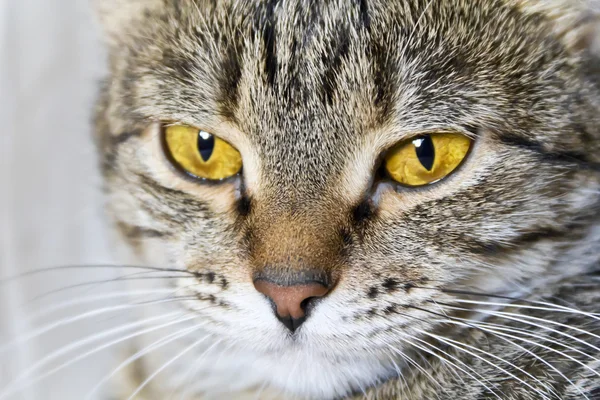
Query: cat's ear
column 575, row 22
column 119, row 18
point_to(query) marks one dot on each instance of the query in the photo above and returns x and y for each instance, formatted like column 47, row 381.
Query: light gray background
column 50, row 210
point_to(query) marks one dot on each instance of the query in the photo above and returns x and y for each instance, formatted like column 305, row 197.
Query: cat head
column 314, row 254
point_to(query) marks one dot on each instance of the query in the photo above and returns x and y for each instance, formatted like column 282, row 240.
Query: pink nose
column 291, row 301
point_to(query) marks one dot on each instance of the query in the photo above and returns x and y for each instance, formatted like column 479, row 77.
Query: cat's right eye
column 200, row 153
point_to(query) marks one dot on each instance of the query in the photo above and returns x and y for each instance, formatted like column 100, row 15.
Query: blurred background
column 51, row 60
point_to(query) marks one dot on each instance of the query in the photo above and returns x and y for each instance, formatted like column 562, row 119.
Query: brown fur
column 312, row 93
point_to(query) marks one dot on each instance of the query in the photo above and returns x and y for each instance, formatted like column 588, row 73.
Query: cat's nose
column 291, row 300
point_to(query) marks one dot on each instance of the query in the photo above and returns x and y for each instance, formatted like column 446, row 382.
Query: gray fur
column 312, row 93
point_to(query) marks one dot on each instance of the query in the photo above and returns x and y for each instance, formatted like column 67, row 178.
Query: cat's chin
column 305, row 376
column 294, row 373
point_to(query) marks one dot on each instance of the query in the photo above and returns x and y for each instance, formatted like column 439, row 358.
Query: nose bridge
column 295, row 244
column 300, row 155
column 295, row 254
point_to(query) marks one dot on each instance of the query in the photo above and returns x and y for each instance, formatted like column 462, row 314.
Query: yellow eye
column 202, row 154
column 427, row 159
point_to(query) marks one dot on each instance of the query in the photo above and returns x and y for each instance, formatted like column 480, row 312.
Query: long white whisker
column 417, row 366
column 554, row 351
column 458, row 346
column 497, row 334
column 91, row 285
column 444, row 360
column 183, row 379
column 400, row 375
column 537, row 336
column 526, row 320
column 91, row 299
column 512, row 305
column 17, row 384
column 153, row 346
column 95, row 337
column 436, row 348
column 191, row 371
column 9, row 279
column 171, row 361
column 49, row 327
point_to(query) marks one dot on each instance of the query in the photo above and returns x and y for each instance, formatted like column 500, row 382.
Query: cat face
column 311, row 258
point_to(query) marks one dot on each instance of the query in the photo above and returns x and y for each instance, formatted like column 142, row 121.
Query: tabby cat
column 370, row 199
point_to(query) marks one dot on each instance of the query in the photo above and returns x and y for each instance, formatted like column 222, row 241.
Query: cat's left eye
column 427, row 158
column 201, row 154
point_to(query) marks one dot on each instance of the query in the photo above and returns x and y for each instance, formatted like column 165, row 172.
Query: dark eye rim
column 185, row 174
column 384, row 176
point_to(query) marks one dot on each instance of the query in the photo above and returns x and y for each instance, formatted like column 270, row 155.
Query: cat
column 370, row 199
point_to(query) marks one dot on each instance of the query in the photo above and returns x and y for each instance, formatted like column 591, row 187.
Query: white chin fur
column 231, row 372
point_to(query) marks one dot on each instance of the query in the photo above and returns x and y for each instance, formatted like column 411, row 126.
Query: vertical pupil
column 206, row 145
column 425, row 151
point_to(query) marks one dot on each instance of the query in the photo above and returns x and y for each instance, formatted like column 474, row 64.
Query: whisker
column 190, row 372
column 27, row 274
column 458, row 345
column 95, row 337
column 445, row 340
column 549, row 348
column 476, row 326
column 526, row 320
column 557, row 308
column 436, row 348
column 17, row 384
column 444, row 360
column 91, row 299
column 146, row 350
column 400, row 375
column 556, row 351
column 498, row 334
column 537, row 336
column 417, row 366
column 497, row 296
column 171, row 361
column 96, row 284
column 416, row 26
column 88, row 314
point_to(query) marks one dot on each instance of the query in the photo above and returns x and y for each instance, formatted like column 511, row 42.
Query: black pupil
column 425, row 151
column 206, row 145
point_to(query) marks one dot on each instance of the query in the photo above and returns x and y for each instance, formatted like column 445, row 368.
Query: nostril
column 304, row 303
column 308, row 303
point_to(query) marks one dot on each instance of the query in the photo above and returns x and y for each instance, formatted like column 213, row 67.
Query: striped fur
column 312, row 93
